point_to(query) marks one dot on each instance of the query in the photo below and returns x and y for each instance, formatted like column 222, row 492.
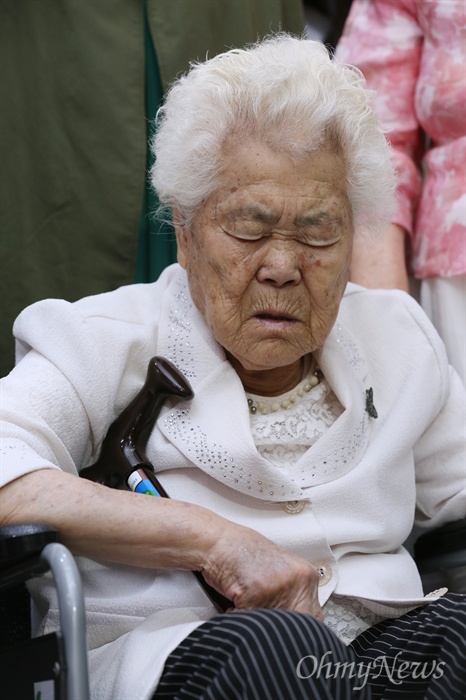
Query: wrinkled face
column 267, row 255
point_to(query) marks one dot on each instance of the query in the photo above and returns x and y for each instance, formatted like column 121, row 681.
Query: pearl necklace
column 272, row 404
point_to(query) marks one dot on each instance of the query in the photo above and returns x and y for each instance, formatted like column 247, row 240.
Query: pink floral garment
column 413, row 53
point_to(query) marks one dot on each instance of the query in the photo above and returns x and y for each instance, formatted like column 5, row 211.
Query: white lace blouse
column 283, row 428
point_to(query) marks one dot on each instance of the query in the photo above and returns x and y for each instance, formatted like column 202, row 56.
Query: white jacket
column 365, row 479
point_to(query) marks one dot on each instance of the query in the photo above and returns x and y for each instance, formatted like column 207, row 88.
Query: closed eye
column 304, row 237
column 323, row 243
column 320, row 230
column 250, row 223
column 246, row 235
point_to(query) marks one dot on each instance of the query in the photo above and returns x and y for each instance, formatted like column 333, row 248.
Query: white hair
column 285, row 92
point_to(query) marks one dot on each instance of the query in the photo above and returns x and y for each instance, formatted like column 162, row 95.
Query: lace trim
column 348, row 617
column 283, row 436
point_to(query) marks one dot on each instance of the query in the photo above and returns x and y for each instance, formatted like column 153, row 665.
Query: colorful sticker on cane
column 139, row 484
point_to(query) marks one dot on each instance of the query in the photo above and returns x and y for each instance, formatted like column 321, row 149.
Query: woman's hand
column 254, row 572
column 379, row 263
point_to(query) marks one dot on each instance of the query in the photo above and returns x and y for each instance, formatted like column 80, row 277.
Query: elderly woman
column 325, row 418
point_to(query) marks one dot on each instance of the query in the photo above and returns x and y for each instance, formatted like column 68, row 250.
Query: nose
column 280, row 265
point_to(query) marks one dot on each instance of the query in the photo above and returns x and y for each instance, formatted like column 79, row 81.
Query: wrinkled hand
column 254, row 572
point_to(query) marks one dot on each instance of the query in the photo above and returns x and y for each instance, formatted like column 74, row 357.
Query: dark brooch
column 370, row 408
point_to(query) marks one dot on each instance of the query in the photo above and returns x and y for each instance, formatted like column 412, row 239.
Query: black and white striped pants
column 279, row 655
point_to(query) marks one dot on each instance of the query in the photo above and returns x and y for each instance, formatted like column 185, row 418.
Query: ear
column 182, row 236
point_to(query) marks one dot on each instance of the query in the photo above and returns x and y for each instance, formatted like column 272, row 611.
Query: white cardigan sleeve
column 441, row 463
column 79, row 366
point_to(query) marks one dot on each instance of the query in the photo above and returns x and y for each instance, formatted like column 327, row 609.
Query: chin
column 264, row 361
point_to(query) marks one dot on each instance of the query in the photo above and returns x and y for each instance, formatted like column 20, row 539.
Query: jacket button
column 293, row 507
column 325, row 571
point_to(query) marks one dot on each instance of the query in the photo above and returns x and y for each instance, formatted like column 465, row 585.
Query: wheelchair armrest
column 447, row 542
column 21, row 546
column 440, row 556
column 31, row 549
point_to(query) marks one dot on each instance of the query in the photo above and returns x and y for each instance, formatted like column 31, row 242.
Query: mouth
column 275, row 319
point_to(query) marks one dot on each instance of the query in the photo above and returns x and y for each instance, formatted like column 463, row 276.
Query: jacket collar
column 213, row 430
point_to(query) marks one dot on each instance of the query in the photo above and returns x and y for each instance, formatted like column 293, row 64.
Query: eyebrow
column 254, row 211
column 266, row 216
column 321, row 217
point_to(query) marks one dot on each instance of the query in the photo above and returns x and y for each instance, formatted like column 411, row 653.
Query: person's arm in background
column 380, row 262
column 383, row 39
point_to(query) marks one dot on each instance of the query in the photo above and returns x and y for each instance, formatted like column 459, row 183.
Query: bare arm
column 143, row 531
column 380, row 263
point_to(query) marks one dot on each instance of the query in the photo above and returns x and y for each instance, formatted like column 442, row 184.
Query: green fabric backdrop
column 78, row 80
column 156, row 240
